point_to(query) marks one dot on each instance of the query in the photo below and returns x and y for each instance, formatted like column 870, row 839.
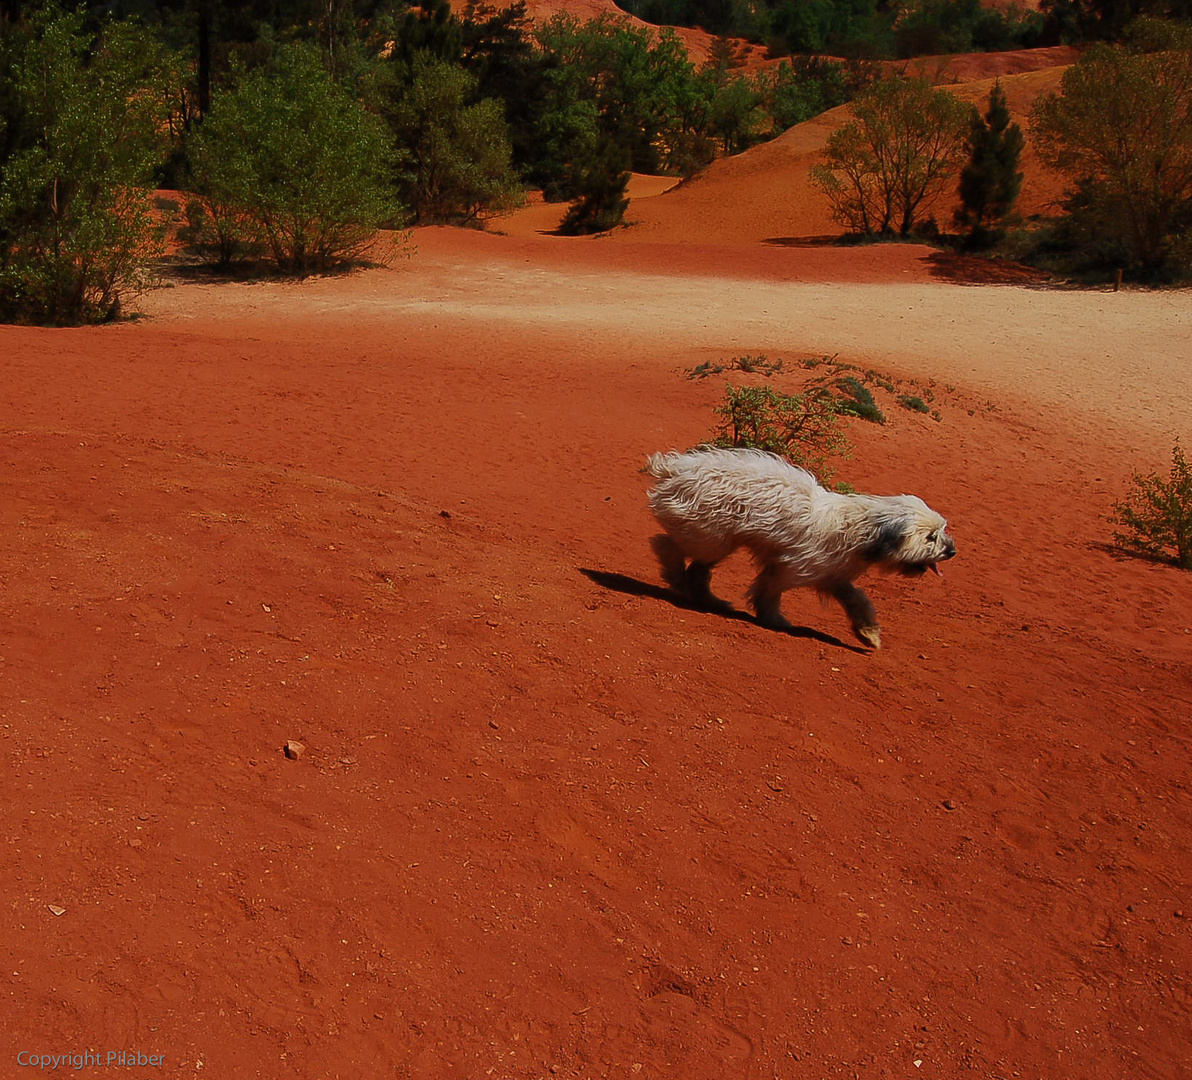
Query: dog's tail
column 662, row 466
column 676, row 462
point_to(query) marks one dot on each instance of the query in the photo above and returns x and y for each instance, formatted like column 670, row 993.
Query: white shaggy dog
column 711, row 502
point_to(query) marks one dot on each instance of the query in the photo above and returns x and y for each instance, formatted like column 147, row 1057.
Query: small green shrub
column 914, row 403
column 856, row 399
column 804, row 428
column 1156, row 515
column 751, row 365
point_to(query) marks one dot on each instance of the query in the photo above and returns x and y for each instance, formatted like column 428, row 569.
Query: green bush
column 933, row 27
column 804, row 428
column 221, row 231
column 289, row 160
column 914, row 403
column 610, row 81
column 856, row 399
column 751, row 365
column 806, row 86
column 80, row 141
column 1156, row 515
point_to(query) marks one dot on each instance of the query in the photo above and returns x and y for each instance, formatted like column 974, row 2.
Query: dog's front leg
column 860, row 611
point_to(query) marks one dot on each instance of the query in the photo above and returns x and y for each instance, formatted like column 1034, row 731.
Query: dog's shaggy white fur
column 711, row 502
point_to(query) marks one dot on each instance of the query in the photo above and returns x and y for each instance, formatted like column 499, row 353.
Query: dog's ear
column 886, row 540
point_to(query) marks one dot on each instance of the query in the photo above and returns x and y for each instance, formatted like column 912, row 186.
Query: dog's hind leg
column 860, row 611
column 672, row 561
column 699, row 576
column 765, row 595
column 689, row 581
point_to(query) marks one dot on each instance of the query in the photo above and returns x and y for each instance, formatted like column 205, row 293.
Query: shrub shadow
column 188, row 269
column 1125, row 554
column 630, row 586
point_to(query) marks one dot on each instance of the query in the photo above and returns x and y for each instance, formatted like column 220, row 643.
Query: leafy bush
column 806, row 86
column 933, row 27
column 914, row 403
column 80, row 124
column 221, row 231
column 804, row 428
column 733, row 107
column 1157, row 514
column 856, row 399
column 288, row 159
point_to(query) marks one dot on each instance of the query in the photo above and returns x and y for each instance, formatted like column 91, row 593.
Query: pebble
column 294, row 750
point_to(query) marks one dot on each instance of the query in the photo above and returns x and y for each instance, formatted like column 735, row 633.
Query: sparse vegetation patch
column 803, row 428
column 1156, row 515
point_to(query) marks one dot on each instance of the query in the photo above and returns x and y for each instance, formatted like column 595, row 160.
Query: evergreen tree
column 602, row 200
column 990, row 182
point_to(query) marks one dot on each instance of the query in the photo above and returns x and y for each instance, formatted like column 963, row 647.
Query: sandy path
column 1113, row 357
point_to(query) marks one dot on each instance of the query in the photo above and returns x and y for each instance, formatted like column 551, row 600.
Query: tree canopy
column 1120, row 130
column 884, row 167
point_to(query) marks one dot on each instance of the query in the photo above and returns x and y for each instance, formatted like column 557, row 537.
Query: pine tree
column 602, row 200
column 990, row 182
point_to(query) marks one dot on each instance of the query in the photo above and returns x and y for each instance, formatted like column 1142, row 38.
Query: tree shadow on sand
column 188, row 269
column 961, row 269
column 630, row 586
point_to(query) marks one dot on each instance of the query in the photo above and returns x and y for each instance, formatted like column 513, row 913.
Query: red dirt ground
column 547, row 821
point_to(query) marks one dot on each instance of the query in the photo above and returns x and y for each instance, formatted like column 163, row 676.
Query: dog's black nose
column 949, row 550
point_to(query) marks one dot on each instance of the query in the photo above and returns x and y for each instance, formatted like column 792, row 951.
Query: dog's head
column 909, row 537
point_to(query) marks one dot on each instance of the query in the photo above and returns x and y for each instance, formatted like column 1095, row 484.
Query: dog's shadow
column 623, row 583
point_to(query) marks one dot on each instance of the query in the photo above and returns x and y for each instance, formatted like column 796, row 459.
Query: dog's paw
column 871, row 635
column 774, row 621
